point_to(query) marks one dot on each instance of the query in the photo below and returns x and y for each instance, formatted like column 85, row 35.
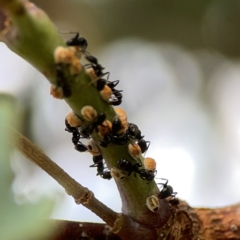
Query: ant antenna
column 148, row 145
column 165, row 180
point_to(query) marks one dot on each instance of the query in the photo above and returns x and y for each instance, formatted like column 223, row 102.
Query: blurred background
column 178, row 65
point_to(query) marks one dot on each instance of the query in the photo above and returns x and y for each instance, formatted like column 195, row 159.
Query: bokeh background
column 178, row 66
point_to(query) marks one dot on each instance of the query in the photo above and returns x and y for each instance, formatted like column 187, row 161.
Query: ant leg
column 107, row 74
column 148, row 145
column 94, row 165
column 165, row 182
column 88, row 65
column 112, row 84
column 116, row 103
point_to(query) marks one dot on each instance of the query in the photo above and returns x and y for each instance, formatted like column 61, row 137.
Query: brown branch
column 189, row 224
column 220, row 223
column 66, row 230
column 80, row 194
column 205, row 223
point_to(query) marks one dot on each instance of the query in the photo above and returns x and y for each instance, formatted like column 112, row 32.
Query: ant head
column 77, row 41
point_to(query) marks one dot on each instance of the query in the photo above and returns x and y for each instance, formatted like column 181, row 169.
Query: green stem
column 34, row 37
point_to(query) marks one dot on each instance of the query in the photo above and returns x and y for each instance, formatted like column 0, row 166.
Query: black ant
column 118, row 126
column 110, row 139
column 79, row 146
column 102, row 82
column 127, row 166
column 78, row 41
column 144, row 145
column 87, row 128
column 117, row 93
column 118, row 140
column 117, row 135
column 61, row 81
column 167, row 190
column 102, row 171
column 118, row 98
column 134, row 132
column 98, row 68
column 101, row 117
column 148, row 175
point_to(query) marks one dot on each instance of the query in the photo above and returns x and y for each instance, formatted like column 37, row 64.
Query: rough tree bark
column 29, row 32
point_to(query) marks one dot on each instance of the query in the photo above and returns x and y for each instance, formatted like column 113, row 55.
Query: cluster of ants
column 93, row 68
column 118, row 131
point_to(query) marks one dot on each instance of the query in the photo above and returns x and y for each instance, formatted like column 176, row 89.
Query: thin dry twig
column 81, row 194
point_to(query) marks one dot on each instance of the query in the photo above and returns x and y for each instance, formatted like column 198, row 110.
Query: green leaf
column 16, row 221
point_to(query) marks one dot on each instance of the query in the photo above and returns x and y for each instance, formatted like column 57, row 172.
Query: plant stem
column 80, row 194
